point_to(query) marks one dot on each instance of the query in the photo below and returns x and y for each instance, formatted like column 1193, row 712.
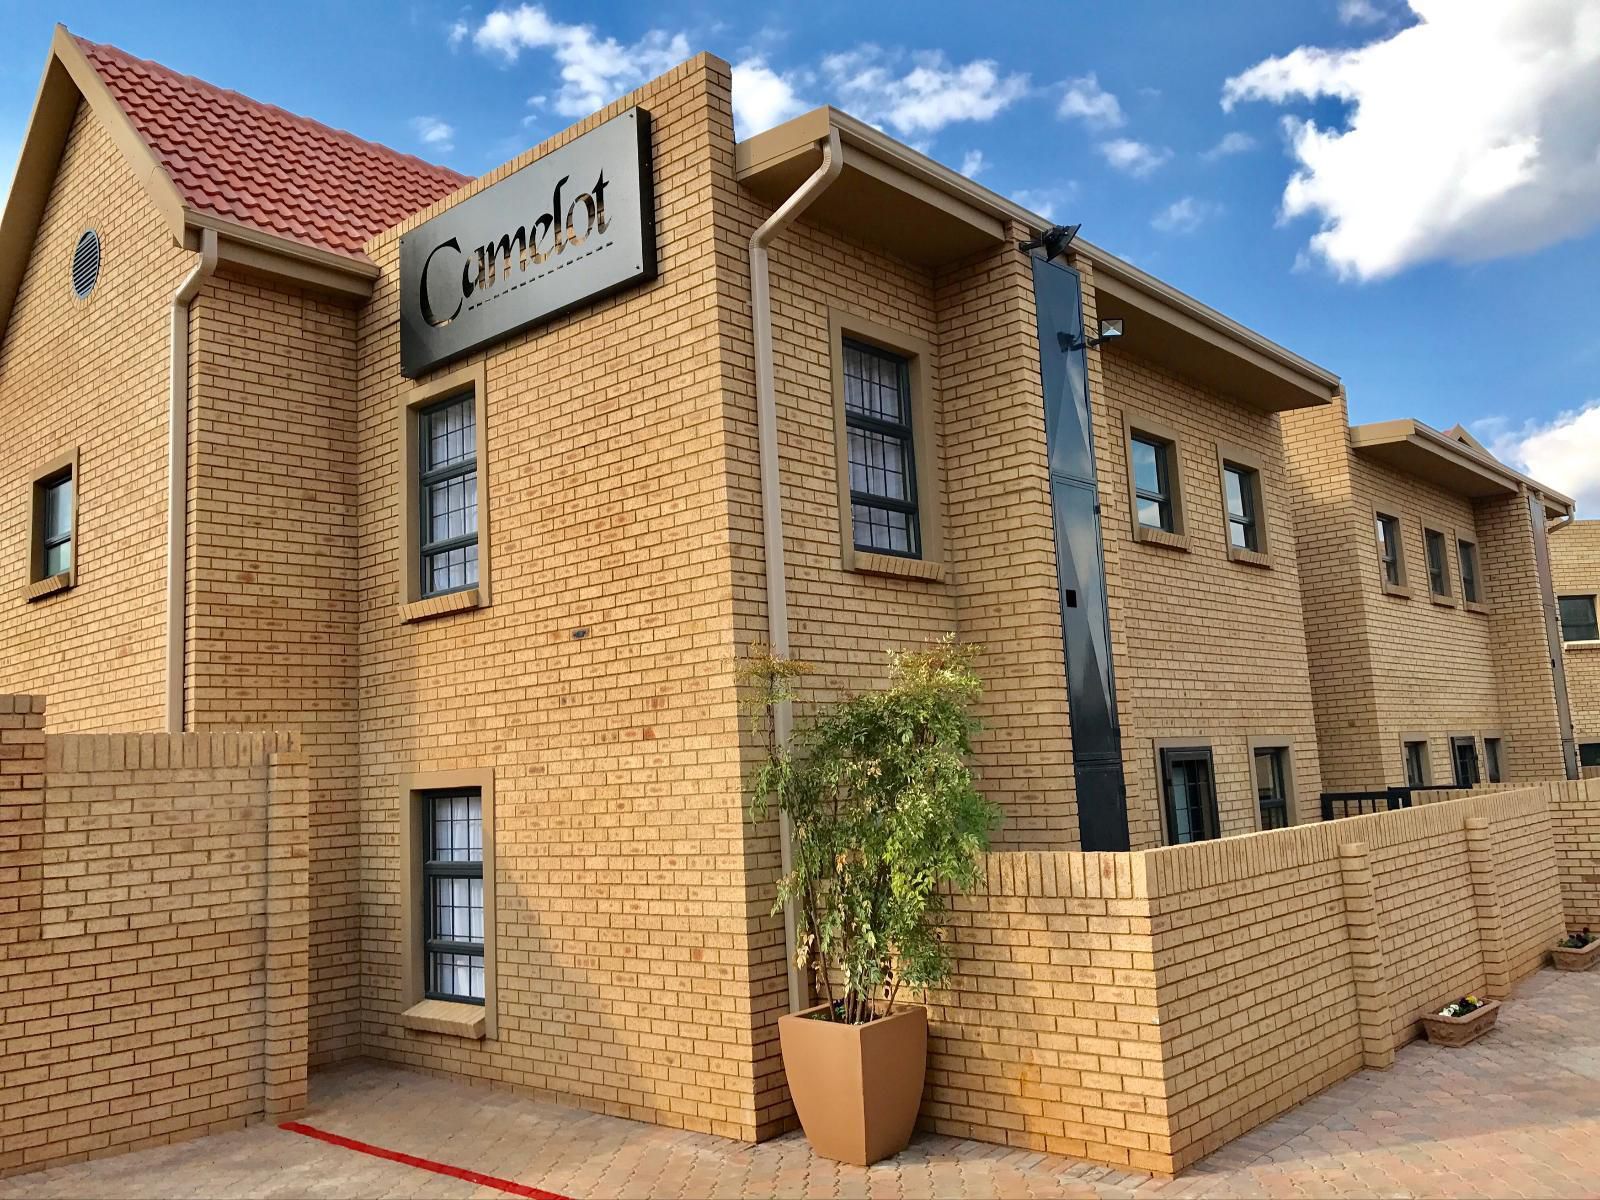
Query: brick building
column 493, row 565
column 1575, row 568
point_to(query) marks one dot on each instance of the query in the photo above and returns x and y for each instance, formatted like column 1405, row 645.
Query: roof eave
column 1419, row 449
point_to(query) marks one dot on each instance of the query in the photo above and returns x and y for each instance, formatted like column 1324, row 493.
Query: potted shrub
column 1461, row 1021
column 884, row 820
column 1576, row 951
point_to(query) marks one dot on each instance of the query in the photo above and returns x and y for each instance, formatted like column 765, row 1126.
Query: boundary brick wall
column 153, row 917
column 1144, row 1009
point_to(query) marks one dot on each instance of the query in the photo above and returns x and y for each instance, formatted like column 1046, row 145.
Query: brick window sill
column 864, row 562
column 1251, row 558
column 447, row 1017
column 1473, row 607
column 1580, row 645
column 440, row 606
column 1397, row 589
column 49, row 586
column 1161, row 537
column 1442, row 601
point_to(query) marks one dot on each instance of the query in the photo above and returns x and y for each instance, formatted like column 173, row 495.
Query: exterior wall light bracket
column 1052, row 241
column 1110, row 331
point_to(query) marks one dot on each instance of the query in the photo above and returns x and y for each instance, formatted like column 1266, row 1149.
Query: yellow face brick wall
column 628, row 975
column 1575, row 571
column 92, row 374
column 153, row 919
column 272, row 542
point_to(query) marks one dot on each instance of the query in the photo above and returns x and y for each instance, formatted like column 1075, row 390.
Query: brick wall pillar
column 288, row 907
column 1366, row 956
column 21, row 817
column 1486, row 901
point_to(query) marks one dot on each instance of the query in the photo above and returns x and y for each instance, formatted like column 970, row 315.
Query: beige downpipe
column 178, row 476
column 771, row 486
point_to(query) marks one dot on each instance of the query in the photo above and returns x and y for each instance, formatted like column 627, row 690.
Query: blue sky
column 1407, row 194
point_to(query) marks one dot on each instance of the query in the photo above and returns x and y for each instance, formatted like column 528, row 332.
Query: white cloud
column 1560, row 453
column 1360, row 12
column 1049, row 202
column 1136, row 158
column 1231, row 143
column 1472, row 134
column 1087, row 101
column 933, row 93
column 458, row 33
column 434, row 133
column 1183, row 215
column 594, row 69
column 762, row 97
column 973, row 164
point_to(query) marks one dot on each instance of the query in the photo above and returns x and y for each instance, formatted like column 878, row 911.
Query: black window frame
column 1493, row 759
column 1210, row 819
column 429, row 476
column 1279, row 804
column 435, row 868
column 46, row 540
column 1438, row 572
column 1471, row 571
column 1590, row 628
column 1389, row 551
column 1457, row 745
column 1589, row 754
column 1162, row 498
column 1250, row 497
column 903, row 432
column 1415, row 754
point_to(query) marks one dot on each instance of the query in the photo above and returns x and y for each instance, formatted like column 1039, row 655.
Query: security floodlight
column 1110, row 330
column 1052, row 241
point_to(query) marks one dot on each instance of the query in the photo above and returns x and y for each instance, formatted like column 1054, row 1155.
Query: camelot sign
column 569, row 228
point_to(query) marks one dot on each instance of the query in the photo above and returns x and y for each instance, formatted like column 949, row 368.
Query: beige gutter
column 772, row 491
column 178, row 476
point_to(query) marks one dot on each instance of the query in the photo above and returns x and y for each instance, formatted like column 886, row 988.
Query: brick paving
column 1516, row 1115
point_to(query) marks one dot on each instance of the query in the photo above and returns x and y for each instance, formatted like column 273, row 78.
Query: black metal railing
column 1360, row 804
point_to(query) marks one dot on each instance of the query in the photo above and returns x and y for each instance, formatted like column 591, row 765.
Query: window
column 1589, row 754
column 881, row 453
column 1416, row 764
column 1389, row 552
column 1464, row 758
column 447, row 465
column 1272, row 786
column 53, row 526
column 1467, row 552
column 1438, row 563
column 1578, row 622
column 1152, row 483
column 452, row 896
column 1241, row 493
column 1191, row 798
column 1491, row 758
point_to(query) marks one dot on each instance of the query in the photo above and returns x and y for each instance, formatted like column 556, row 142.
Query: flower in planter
column 1461, row 1007
column 1577, row 941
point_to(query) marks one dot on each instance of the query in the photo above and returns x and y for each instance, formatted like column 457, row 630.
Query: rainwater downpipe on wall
column 178, row 476
column 771, row 487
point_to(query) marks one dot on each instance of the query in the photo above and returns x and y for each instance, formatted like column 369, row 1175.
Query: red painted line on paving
column 422, row 1164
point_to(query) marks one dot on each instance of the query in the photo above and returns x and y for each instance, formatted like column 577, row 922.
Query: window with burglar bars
column 1152, row 482
column 452, row 896
column 1191, row 797
column 1578, row 620
column 55, row 524
column 882, row 457
column 1438, row 563
column 447, row 465
column 1242, row 486
column 1389, row 550
column 1467, row 552
column 1272, row 787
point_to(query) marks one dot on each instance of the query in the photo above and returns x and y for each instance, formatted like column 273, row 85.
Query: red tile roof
column 264, row 167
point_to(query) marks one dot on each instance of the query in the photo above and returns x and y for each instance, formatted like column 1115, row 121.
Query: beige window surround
column 1427, row 755
column 1446, row 598
column 1139, row 424
column 39, row 585
column 412, row 605
column 1403, row 588
column 1238, row 456
column 1495, row 735
column 419, row 1012
column 927, row 456
column 1275, row 741
column 1478, row 605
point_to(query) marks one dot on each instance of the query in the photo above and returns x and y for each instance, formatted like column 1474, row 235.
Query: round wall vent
column 86, row 264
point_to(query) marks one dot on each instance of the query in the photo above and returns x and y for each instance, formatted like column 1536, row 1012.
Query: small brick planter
column 1459, row 1031
column 1566, row 958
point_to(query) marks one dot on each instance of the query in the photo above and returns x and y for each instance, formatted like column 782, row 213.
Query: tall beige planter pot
column 856, row 1088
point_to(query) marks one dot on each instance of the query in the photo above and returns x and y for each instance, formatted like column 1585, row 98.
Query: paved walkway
column 1517, row 1114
